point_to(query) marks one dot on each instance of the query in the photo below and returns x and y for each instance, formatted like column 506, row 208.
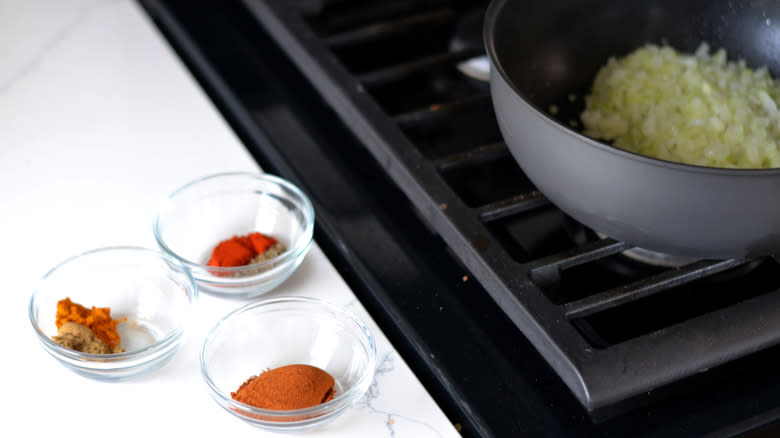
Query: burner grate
column 611, row 328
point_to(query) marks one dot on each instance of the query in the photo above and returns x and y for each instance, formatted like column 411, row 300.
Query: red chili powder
column 240, row 250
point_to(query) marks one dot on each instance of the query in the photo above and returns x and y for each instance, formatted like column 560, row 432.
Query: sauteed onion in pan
column 691, row 108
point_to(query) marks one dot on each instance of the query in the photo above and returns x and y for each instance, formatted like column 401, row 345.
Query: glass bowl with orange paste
column 137, row 300
column 213, row 225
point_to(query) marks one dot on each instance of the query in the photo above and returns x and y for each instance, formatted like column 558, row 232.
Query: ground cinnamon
column 97, row 319
column 287, row 387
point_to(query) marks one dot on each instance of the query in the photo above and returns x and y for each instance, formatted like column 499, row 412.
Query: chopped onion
column 697, row 109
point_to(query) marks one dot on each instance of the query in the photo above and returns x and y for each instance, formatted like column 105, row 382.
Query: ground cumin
column 80, row 338
column 287, row 387
column 97, row 319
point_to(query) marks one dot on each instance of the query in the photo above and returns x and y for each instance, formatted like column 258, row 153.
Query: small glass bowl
column 153, row 291
column 283, row 331
column 202, row 213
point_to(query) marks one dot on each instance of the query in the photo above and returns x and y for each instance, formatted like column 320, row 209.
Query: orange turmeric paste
column 98, row 319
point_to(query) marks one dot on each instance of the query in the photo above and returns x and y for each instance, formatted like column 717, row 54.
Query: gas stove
column 516, row 318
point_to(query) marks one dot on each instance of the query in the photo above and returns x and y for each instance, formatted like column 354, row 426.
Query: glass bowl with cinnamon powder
column 288, row 364
column 240, row 234
column 113, row 313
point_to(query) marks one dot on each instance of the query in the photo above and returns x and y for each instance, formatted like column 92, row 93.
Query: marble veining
column 384, row 370
column 27, row 65
column 392, row 420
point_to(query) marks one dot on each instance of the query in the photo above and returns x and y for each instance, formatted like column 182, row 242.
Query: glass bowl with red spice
column 288, row 364
column 240, row 234
column 113, row 313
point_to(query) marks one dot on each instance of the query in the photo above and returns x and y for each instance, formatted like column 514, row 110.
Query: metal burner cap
column 654, row 258
column 468, row 35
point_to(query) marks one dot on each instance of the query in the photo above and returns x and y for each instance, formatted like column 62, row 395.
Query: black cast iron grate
column 611, row 328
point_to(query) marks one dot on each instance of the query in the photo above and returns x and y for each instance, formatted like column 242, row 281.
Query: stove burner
column 639, row 262
column 468, row 35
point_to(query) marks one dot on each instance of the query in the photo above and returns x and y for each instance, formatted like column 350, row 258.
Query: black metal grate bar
column 376, row 31
column 512, row 206
column 474, row 156
column 576, row 256
column 438, row 112
column 333, row 18
column 403, row 71
column 646, row 287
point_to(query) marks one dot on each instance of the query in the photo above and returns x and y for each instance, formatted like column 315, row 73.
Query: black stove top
column 452, row 250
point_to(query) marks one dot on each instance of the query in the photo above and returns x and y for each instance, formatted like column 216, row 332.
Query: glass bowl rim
column 159, row 345
column 300, row 246
column 345, row 398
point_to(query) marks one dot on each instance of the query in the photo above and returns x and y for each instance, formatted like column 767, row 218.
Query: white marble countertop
column 99, row 121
